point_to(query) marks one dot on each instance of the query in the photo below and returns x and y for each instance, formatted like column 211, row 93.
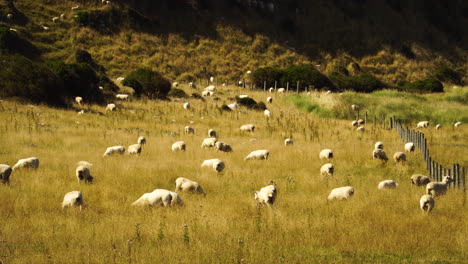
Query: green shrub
column 250, row 103
column 268, row 74
column 147, row 82
column 307, row 75
column 360, row 83
column 459, row 97
column 178, row 93
column 83, row 18
column 429, row 85
column 446, row 74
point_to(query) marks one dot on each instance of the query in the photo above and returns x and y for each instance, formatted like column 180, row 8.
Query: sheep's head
column 256, row 195
column 448, row 179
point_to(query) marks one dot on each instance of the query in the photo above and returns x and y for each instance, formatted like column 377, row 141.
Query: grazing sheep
column 387, row 184
column 249, row 72
column 186, row 185
column 13, row 29
column 74, row 198
column 233, row 106
column 438, row 188
column 192, row 85
column 175, row 84
column 326, row 154
column 207, row 93
column 114, row 150
column 120, row 79
column 247, row 128
column 110, row 107
column 261, row 154
column 341, row 193
column 240, row 83
column 354, row 123
column 74, row 8
column 55, row 19
column 267, row 113
column 141, row 140
column 211, row 88
column 5, row 172
column 457, row 124
column 355, row 108
column 209, row 142
column 379, row 154
column 159, row 197
column 422, row 124
column 327, row 170
column 426, row 203
column 223, row 147
column 409, row 147
column 361, row 122
column 79, row 100
column 178, row 146
column 84, row 163
column 271, row 89
column 186, row 105
column 212, row 133
column 189, row 130
column 360, row 129
column 216, row 164
column 62, row 16
column 123, row 97
column 83, row 174
column 81, row 112
column 134, row 149
column 288, row 142
column 269, row 100
column 378, row 145
column 211, row 79
column 266, row 195
column 32, row 163
column 243, row 96
column 10, row 16
column 45, row 28
column 419, row 180
column 399, row 157
column 280, row 90
column 438, row 126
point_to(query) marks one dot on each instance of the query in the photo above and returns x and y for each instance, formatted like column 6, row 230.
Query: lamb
column 387, row 184
column 288, row 142
column 178, row 146
column 419, row 180
column 261, row 154
column 83, row 174
column 110, row 107
column 457, row 124
column 189, row 130
column 409, row 147
column 212, row 133
column 438, row 126
column 141, row 140
column 32, row 163
column 355, row 108
column 216, row 164
column 114, row 150
column 134, row 149
column 327, row 170
column 378, row 145
column 186, row 105
column 422, row 124
column 186, row 185
column 247, row 128
column 341, row 193
column 123, row 97
column 269, row 100
column 266, row 195
column 426, row 203
column 233, row 106
column 354, row 123
column 326, row 154
column 281, row 90
column 84, row 163
column 223, row 147
column 438, row 188
column 379, row 154
column 159, row 197
column 267, row 113
column 5, row 172
column 360, row 129
column 399, row 157
column 55, row 19
column 209, row 142
column 74, row 198
column 79, row 100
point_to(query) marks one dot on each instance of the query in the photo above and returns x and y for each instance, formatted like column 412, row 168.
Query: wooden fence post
column 264, row 86
column 287, row 86
column 275, row 86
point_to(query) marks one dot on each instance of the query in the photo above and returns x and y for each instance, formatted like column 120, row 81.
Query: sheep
column 32, row 163
column 74, row 198
column 83, row 174
column 249, row 72
column 438, row 126
column 269, row 100
column 211, row 79
column 207, row 93
column 210, row 88
column 141, row 140
column 247, row 128
column 233, row 106
column 387, row 184
column 361, row 122
column 240, row 83
column 189, row 130
column 101, row 88
column 5, row 172
column 267, row 113
column 55, row 19
column 327, row 170
column 175, row 84
column 114, row 150
column 62, row 16
column 84, row 163
column 457, row 124
column 45, row 28
column 261, row 154
column 192, row 85
column 355, row 108
column 271, row 89
column 378, row 145
column 79, row 100
column 209, row 142
column 81, row 112
column 186, row 105
column 379, row 154
column 360, row 129
column 419, row 180
column 134, row 149
column 266, row 195
column 212, row 133
column 110, row 107
column 409, row 147
column 326, row 154
column 123, row 97
column 399, row 157
column 341, row 193
column 354, row 123
column 288, row 142
column 120, row 79
column 178, row 146
column 422, row 124
column 223, row 147
column 159, row 197
column 426, row 203
column 438, row 188
column 13, row 29
column 280, row 90
column 74, row 8
column 186, row 185
column 10, row 16
column 243, row 96
column 216, row 164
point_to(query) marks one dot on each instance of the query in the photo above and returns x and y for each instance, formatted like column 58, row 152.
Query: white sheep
column 79, row 100
column 378, row 145
column 261, row 154
column 360, row 129
column 457, row 124
column 83, row 174
column 341, row 193
column 207, row 93
column 327, row 170
column 288, row 142
column 31, row 163
column 426, row 203
column 212, row 133
column 209, row 142
column 178, row 146
column 120, row 79
column 269, row 100
column 249, row 72
column 13, row 29
column 420, row 180
column 186, row 105
column 216, row 164
column 110, row 107
column 280, row 90
column 438, row 188
column 210, row 88
column 271, row 89
column 247, row 128
column 175, row 84
column 134, row 149
column 399, row 156
column 387, row 184
column 114, row 150
column 233, row 106
column 62, row 16
column 74, row 8
column 5, row 172
column 141, row 140
column 10, row 16
column 45, row 28
column 438, row 126
column 361, row 122
column 422, row 124
column 159, row 197
column 223, row 146
column 267, row 113
column 81, row 112
column 379, row 154
column 354, row 123
column 355, row 108
column 84, row 163
column 74, row 198
column 211, row 79
column 189, row 130
column 186, row 185
column 409, row 147
column 326, row 154
column 123, row 97
column 192, row 85
column 266, row 195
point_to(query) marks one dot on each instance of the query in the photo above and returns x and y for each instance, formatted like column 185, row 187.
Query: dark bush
column 429, row 85
column 135, row 84
column 11, row 42
column 197, row 96
column 268, row 74
column 83, row 18
column 307, row 75
column 446, row 74
column 365, row 82
column 226, row 108
column 82, row 56
column 250, row 103
column 147, row 82
column 178, row 93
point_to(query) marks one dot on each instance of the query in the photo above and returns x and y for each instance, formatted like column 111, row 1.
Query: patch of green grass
column 306, row 105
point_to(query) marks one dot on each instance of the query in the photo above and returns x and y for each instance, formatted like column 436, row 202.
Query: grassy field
column 225, row 226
